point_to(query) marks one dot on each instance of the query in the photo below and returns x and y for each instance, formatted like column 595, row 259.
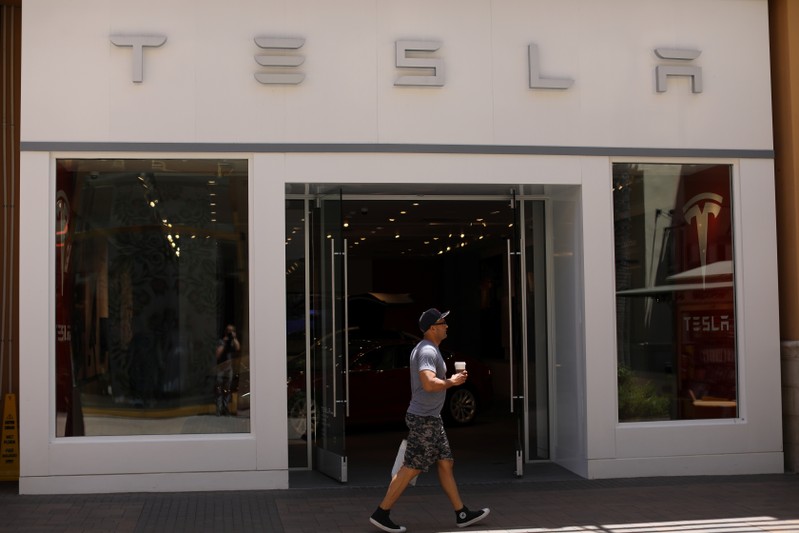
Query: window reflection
column 296, row 331
column 151, row 267
column 675, row 306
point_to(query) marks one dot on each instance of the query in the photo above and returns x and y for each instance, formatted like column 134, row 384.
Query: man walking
column 427, row 440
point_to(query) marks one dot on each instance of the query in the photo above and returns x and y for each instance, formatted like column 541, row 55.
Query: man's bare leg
column 398, row 484
column 446, row 476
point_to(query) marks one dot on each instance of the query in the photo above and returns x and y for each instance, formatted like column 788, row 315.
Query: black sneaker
column 465, row 517
column 380, row 519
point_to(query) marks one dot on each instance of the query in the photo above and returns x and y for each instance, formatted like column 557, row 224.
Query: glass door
column 536, row 372
column 502, row 321
column 527, row 330
column 329, row 336
column 516, row 343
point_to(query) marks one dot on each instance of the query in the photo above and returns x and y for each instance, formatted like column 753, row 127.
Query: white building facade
column 171, row 151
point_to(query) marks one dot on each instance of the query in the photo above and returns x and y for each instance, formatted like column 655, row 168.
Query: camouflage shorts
column 427, row 442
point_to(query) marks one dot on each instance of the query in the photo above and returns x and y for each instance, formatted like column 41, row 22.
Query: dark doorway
column 404, row 255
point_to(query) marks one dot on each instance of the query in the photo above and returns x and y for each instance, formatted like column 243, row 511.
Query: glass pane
column 296, row 333
column 328, row 365
column 151, row 276
column 675, row 307
column 537, row 367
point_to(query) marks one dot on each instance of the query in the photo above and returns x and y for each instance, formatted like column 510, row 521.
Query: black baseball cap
column 430, row 317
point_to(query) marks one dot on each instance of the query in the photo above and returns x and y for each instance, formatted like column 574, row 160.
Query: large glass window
column 151, row 288
column 675, row 299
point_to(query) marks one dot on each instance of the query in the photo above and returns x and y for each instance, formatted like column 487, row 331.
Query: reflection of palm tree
column 658, row 272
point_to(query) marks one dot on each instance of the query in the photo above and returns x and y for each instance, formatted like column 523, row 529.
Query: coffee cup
column 460, row 366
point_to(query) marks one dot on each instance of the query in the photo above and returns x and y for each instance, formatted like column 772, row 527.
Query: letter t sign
column 138, row 42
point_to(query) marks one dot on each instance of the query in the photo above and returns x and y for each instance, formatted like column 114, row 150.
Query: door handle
column 510, row 321
column 333, row 321
column 346, row 400
column 346, row 333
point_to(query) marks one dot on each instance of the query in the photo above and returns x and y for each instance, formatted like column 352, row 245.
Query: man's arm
column 431, row 383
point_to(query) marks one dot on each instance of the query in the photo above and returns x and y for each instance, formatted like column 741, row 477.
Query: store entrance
column 361, row 269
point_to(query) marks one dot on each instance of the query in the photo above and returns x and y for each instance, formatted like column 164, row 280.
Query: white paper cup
column 460, row 366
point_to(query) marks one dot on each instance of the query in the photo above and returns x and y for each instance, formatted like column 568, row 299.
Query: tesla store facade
column 588, row 186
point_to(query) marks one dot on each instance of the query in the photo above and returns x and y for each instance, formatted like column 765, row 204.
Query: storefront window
column 151, row 296
column 675, row 298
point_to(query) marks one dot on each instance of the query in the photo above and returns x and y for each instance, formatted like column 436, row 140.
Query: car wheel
column 461, row 406
column 298, row 416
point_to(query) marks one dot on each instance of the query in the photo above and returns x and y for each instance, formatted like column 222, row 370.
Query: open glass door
column 516, row 334
column 527, row 330
column 536, row 335
column 328, row 350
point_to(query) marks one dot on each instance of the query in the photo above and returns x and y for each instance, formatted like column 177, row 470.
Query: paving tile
column 764, row 503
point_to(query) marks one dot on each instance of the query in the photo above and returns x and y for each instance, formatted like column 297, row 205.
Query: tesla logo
column 282, row 59
column 707, row 323
column 699, row 208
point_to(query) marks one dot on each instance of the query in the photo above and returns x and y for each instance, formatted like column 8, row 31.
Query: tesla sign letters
column 418, row 61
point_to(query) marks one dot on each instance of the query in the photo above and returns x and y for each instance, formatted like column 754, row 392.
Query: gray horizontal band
column 610, row 151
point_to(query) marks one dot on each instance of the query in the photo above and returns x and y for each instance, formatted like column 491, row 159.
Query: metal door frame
column 520, row 201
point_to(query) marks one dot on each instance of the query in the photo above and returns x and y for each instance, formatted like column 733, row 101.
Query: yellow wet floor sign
column 9, row 445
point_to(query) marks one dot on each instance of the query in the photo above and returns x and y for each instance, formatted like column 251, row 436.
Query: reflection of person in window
column 226, row 349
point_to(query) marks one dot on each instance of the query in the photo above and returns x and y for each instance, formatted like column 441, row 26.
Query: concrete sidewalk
column 686, row 504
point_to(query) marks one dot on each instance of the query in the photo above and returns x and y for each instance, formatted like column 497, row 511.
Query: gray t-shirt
column 426, row 356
